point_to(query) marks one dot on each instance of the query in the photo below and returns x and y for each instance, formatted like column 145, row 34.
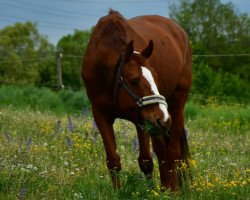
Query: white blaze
column 149, row 77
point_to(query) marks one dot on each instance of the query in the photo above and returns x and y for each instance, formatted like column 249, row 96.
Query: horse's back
column 153, row 22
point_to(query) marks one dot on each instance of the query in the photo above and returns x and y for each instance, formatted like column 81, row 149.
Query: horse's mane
column 111, row 29
column 114, row 12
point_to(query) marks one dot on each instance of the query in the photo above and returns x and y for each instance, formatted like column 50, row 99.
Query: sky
column 57, row 18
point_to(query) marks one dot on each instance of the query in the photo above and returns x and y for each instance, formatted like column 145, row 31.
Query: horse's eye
column 135, row 81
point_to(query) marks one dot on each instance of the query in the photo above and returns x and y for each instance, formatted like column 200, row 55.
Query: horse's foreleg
column 168, row 152
column 176, row 132
column 145, row 159
column 160, row 149
column 105, row 125
column 174, row 149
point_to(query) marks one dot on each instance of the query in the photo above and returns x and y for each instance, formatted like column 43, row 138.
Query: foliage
column 73, row 46
column 44, row 99
column 208, row 82
column 21, row 47
column 216, row 28
column 43, row 157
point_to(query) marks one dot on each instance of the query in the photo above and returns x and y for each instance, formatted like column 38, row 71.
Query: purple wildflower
column 94, row 124
column 22, row 193
column 69, row 142
column 7, row 136
column 84, row 112
column 71, row 125
column 135, row 144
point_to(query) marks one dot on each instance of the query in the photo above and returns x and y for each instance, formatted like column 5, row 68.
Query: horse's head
column 136, row 91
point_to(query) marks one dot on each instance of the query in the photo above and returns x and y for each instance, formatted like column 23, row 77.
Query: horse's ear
column 147, row 52
column 129, row 51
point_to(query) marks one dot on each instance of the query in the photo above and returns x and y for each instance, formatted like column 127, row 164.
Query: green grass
column 43, row 99
column 48, row 154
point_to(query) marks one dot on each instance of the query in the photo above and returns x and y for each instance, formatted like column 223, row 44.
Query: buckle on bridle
column 120, row 79
column 139, row 103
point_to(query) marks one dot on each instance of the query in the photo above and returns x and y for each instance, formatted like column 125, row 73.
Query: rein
column 139, row 101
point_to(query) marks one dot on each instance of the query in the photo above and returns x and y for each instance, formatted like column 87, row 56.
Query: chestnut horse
column 140, row 70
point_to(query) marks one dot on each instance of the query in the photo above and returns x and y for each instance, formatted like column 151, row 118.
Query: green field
column 47, row 153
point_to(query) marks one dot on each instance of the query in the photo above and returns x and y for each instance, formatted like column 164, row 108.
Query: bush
column 75, row 100
column 208, row 82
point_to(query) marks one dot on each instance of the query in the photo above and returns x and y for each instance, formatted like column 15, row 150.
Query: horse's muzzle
column 157, row 126
column 163, row 126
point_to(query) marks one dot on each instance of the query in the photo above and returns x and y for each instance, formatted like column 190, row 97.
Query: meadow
column 50, row 148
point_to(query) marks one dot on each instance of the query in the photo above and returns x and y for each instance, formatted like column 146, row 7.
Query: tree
column 72, row 48
column 24, row 54
column 216, row 28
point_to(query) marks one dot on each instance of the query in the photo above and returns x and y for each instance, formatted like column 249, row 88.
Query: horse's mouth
column 154, row 130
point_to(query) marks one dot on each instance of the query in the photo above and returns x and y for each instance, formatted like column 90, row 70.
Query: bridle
column 139, row 101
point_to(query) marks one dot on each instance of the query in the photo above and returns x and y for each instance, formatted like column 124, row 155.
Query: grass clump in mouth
column 150, row 129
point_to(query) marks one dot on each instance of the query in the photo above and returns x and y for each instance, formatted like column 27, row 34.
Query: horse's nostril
column 159, row 123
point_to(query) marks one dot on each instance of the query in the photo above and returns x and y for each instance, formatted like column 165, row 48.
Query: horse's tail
column 185, row 155
column 185, row 174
